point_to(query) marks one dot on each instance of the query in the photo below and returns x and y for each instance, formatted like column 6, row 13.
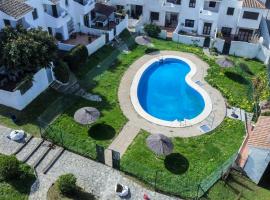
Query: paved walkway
column 93, row 177
column 213, row 120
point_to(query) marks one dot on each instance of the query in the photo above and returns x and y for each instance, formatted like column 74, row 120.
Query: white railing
column 122, row 25
column 96, row 44
column 65, row 47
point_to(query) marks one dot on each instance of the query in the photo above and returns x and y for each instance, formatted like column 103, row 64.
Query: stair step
column 27, row 157
column 31, row 145
column 53, row 160
column 41, row 157
column 28, row 139
column 39, row 154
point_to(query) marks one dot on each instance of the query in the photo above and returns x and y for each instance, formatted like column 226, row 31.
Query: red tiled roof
column 253, row 4
column 260, row 136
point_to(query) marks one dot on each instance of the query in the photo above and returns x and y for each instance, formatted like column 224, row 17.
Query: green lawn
column 19, row 188
column 237, row 187
column 102, row 74
column 27, row 118
column 192, row 161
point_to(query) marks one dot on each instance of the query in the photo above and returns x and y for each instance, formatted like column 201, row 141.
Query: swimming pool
column 163, row 93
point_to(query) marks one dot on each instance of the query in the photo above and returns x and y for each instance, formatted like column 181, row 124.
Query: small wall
column 95, row 45
column 122, row 25
column 244, row 49
column 163, row 34
column 99, row 32
column 186, row 39
column 219, row 44
column 65, row 47
column 19, row 101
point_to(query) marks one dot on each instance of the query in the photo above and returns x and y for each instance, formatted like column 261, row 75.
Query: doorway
column 136, row 11
column 171, row 19
column 207, row 28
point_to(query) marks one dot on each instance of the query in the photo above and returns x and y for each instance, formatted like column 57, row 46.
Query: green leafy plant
column 67, row 184
column 152, row 30
column 61, row 71
column 76, row 57
column 9, row 167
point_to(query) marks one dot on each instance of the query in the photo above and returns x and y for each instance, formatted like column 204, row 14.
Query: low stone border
column 193, row 69
column 218, row 104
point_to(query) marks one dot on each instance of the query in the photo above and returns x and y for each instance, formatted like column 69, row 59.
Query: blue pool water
column 164, row 93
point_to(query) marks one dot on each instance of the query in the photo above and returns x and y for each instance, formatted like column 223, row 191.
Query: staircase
column 39, row 154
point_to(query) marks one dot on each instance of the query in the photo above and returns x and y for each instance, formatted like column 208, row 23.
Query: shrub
column 152, row 30
column 76, row 57
column 9, row 167
column 67, row 184
column 61, row 71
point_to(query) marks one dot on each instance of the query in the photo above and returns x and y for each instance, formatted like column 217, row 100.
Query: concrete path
column 123, row 140
column 93, row 177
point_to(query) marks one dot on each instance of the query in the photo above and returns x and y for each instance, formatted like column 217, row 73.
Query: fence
column 173, row 184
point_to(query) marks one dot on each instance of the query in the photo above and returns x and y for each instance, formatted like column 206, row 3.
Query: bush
column 9, row 167
column 152, row 30
column 76, row 57
column 61, row 71
column 67, row 184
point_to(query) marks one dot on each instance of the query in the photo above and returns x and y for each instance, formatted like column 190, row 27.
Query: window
column 154, row 16
column 7, row 22
column 178, row 2
column 212, row 4
column 86, row 20
column 35, row 14
column 192, row 3
column 250, row 15
column 66, row 2
column 189, row 23
column 226, row 31
column 230, row 11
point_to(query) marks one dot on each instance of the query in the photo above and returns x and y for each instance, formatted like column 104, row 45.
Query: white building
column 240, row 18
column 61, row 18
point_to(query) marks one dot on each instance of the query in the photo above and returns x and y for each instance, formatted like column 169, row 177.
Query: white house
column 61, row 18
column 239, row 19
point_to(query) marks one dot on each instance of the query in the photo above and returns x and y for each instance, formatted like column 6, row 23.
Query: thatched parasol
column 86, row 115
column 143, row 40
column 224, row 62
column 160, row 144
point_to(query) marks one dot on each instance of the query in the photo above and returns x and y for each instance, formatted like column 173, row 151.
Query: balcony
column 58, row 20
column 208, row 15
column 84, row 6
column 172, row 5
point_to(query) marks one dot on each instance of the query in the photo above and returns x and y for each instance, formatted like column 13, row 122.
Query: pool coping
column 187, row 122
column 215, row 118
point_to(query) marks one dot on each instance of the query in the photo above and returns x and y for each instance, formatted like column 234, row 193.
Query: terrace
column 81, row 38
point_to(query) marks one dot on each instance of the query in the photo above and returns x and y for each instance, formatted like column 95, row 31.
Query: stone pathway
column 93, row 177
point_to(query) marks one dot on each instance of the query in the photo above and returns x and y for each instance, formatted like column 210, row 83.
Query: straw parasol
column 143, row 40
column 160, row 144
column 224, row 62
column 86, row 115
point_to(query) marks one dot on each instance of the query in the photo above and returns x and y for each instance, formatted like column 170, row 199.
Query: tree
column 9, row 167
column 67, row 184
column 152, row 30
column 26, row 50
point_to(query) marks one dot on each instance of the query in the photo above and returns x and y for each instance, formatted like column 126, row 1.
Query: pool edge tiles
column 188, row 122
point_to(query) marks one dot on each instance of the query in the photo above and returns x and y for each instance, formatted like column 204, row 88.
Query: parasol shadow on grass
column 176, row 163
column 101, row 131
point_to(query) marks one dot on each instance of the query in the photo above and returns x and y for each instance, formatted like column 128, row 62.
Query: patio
column 81, row 38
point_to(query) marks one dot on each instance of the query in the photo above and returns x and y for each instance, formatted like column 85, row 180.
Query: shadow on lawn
column 176, row 163
column 237, row 78
column 101, row 131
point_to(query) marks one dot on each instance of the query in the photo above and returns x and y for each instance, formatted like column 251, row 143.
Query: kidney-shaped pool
column 163, row 93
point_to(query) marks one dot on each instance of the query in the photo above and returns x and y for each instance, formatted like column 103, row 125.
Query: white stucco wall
column 257, row 162
column 20, row 101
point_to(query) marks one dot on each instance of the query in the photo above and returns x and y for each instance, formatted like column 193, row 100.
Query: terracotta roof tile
column 15, row 8
column 253, row 4
column 260, row 136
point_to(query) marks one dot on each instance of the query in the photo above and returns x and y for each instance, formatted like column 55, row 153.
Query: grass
column 27, row 118
column 102, row 74
column 19, row 188
column 54, row 194
column 239, row 187
column 192, row 161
